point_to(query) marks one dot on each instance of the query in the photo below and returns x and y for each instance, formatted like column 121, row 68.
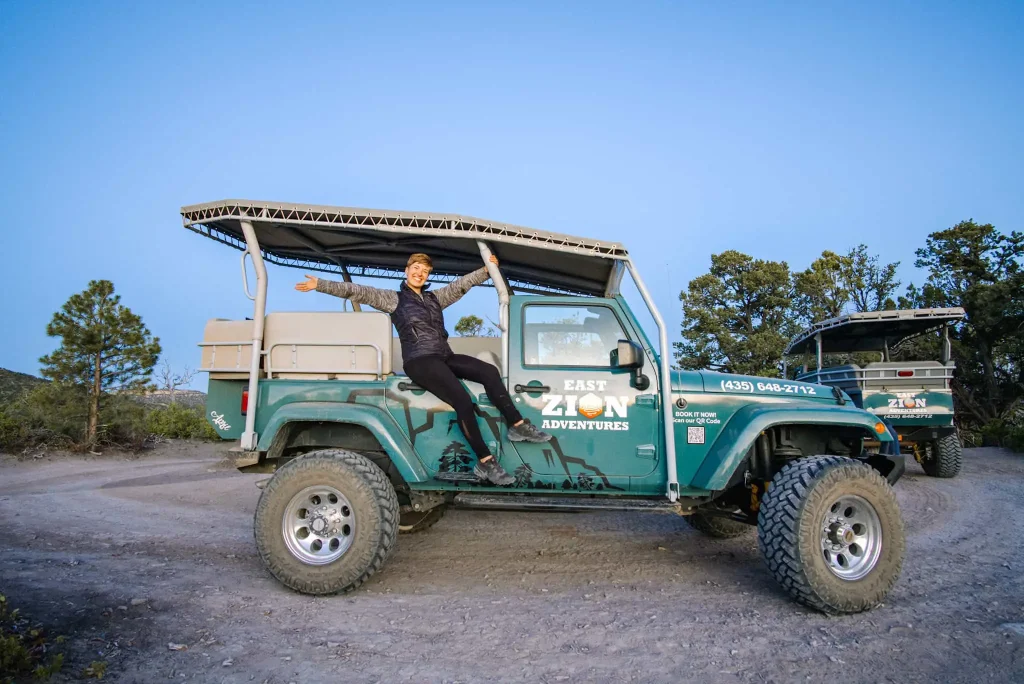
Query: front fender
column 739, row 434
column 380, row 424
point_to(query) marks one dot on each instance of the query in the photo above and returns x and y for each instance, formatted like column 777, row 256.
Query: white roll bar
column 249, row 437
column 666, row 385
column 499, row 284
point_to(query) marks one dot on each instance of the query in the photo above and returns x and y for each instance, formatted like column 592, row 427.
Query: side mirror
column 628, row 354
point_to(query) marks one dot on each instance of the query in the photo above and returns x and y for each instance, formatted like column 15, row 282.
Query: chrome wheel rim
column 851, row 537
column 319, row 525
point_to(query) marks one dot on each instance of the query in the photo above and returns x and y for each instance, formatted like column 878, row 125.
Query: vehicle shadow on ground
column 512, row 551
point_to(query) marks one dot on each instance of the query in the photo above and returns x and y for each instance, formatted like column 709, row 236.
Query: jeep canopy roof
column 872, row 330
column 376, row 243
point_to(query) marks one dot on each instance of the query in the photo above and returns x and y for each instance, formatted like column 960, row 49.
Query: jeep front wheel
column 831, row 534
column 326, row 521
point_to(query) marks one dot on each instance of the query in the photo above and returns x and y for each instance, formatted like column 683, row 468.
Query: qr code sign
column 695, row 435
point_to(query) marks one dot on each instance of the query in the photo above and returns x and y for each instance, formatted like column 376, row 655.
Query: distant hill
column 14, row 384
column 185, row 397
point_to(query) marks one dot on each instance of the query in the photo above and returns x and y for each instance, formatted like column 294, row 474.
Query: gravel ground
column 129, row 556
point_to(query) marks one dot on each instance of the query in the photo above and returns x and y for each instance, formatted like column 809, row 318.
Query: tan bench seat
column 319, row 346
column 227, row 349
column 352, row 345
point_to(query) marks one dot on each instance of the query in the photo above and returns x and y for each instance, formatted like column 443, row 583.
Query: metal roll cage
column 621, row 263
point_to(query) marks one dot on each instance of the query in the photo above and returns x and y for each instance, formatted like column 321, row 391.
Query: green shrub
column 1015, row 439
column 123, row 423
column 991, row 433
column 12, row 435
column 54, row 416
column 51, row 415
column 24, row 648
column 1004, row 433
column 179, row 422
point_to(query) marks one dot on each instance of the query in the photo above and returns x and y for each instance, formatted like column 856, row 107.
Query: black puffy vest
column 420, row 324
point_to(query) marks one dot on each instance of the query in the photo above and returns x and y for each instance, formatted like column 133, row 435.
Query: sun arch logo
column 591, row 406
column 908, row 402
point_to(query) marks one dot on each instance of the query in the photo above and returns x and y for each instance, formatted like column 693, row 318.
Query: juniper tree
column 737, row 317
column 871, row 283
column 469, row 326
column 981, row 269
column 473, row 326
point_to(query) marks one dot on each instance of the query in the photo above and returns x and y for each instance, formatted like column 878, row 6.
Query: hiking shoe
column 493, row 473
column 527, row 432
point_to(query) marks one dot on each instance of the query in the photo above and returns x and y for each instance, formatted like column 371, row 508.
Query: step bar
column 525, row 502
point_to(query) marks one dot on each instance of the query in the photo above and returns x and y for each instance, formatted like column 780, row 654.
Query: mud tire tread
column 788, row 512
column 371, row 495
column 947, row 457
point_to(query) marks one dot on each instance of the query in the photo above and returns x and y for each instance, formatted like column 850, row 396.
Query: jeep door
column 561, row 377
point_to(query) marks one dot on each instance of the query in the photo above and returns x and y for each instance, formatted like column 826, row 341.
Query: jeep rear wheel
column 417, row 521
column 717, row 526
column 831, row 534
column 326, row 521
column 944, row 457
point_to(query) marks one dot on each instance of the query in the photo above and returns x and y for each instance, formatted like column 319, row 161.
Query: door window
column 574, row 336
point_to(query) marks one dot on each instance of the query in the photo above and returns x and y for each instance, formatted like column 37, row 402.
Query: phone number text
column 778, row 387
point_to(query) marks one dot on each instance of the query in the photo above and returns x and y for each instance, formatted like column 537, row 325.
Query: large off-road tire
column 416, row 521
column 831, row 534
column 326, row 521
column 717, row 526
column 944, row 457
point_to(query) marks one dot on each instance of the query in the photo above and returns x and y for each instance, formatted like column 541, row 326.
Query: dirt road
column 128, row 556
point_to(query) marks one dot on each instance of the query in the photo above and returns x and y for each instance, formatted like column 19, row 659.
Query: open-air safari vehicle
column 914, row 397
column 359, row 453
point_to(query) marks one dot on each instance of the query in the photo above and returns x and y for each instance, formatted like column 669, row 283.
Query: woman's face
column 416, row 275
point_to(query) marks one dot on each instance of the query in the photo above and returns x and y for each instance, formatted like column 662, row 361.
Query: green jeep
column 359, row 453
column 914, row 397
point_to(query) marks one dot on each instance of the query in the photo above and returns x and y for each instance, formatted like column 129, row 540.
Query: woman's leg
column 469, row 368
column 475, row 370
column 433, row 374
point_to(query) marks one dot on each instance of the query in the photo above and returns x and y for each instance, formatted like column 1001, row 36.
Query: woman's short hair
column 420, row 258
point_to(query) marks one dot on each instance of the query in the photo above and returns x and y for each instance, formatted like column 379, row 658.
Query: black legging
column 440, row 376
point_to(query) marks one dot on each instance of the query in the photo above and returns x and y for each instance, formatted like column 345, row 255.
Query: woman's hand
column 307, row 286
column 494, row 260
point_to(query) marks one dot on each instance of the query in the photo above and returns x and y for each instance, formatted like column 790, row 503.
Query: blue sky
column 679, row 129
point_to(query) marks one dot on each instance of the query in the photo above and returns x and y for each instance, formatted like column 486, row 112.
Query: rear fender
column 377, row 421
column 740, row 433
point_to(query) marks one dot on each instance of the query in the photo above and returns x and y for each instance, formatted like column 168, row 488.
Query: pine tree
column 455, row 459
column 584, row 482
column 523, row 475
column 104, row 347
